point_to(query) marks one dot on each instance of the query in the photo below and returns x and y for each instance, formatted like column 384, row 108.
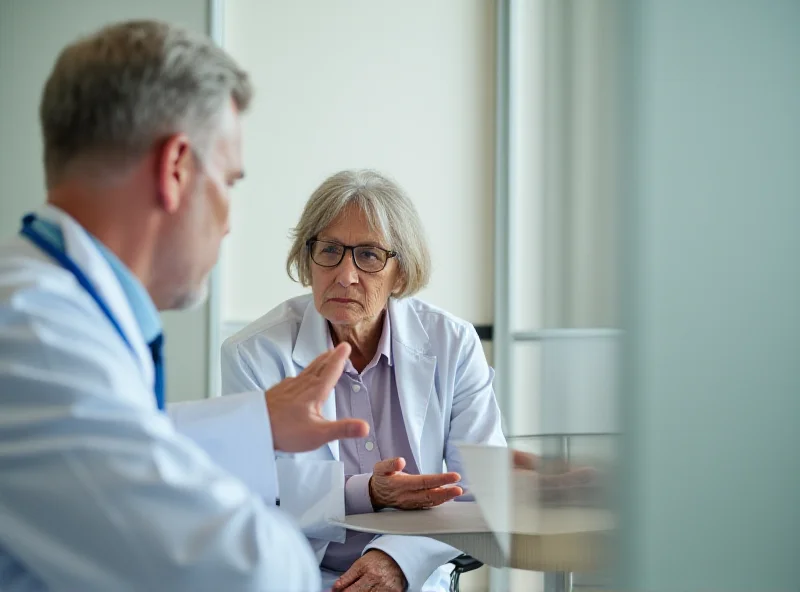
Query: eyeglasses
column 366, row 258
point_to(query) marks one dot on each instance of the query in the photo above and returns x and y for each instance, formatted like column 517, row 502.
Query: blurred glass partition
column 711, row 387
column 580, row 381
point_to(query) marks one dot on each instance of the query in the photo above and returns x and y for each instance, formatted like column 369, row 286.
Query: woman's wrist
column 377, row 504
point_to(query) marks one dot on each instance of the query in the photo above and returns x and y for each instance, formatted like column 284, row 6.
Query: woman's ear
column 399, row 286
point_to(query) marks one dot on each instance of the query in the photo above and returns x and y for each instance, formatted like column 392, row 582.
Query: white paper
column 488, row 469
column 234, row 431
column 312, row 492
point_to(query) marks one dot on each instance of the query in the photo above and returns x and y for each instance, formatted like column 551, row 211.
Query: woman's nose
column 347, row 271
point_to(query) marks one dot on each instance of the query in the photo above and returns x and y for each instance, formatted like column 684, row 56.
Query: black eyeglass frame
column 352, row 248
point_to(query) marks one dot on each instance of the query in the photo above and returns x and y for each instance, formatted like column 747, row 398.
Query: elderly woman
column 416, row 374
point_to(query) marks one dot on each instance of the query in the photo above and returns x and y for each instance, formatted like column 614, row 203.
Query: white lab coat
column 97, row 489
column 446, row 395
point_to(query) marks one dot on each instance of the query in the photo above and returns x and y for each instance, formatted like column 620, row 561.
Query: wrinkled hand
column 375, row 570
column 295, row 406
column 389, row 487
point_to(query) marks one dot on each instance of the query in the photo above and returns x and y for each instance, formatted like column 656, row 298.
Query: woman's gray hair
column 113, row 95
column 387, row 209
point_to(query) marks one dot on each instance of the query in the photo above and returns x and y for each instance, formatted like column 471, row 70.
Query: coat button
column 369, row 446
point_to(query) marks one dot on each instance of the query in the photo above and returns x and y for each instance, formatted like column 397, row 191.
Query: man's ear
column 176, row 168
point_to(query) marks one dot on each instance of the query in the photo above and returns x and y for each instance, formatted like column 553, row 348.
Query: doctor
column 416, row 374
column 98, row 491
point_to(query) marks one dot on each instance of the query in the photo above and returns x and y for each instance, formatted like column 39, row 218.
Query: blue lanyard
column 67, row 263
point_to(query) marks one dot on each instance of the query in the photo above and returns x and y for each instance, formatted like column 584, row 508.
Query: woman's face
column 346, row 295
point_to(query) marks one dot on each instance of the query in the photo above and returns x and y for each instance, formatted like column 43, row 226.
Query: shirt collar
column 385, row 344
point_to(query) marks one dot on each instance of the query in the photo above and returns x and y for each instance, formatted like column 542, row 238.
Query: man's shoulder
column 49, row 326
column 28, row 275
column 41, row 299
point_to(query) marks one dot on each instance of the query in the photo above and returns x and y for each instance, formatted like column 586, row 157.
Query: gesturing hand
column 295, row 406
column 389, row 487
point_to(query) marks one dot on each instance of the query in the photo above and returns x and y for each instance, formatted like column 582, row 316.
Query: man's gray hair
column 113, row 95
column 387, row 209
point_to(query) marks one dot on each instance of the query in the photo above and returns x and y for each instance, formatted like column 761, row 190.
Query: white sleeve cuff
column 356, row 494
column 417, row 556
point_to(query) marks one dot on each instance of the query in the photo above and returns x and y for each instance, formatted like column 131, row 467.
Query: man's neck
column 123, row 230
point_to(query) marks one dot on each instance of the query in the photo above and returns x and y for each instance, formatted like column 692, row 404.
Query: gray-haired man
column 98, row 490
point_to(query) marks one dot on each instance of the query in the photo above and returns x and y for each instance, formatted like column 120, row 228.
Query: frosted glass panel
column 580, row 377
column 526, row 388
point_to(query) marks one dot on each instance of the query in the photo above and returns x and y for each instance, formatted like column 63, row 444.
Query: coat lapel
column 313, row 341
column 415, row 369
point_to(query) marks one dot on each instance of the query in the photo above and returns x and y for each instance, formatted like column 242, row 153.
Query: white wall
column 403, row 87
column 32, row 32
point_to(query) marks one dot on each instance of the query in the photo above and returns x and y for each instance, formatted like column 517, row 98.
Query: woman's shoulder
column 279, row 326
column 436, row 320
